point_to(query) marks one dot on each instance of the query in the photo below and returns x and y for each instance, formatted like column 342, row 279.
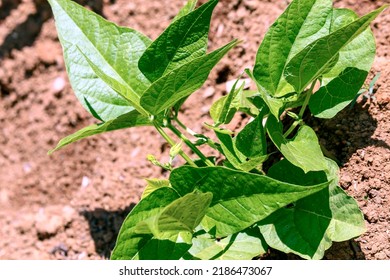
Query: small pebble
column 85, row 182
column 209, row 91
column 58, row 84
column 380, row 256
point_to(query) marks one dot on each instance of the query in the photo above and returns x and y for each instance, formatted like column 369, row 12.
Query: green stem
column 302, row 111
column 189, row 130
column 291, row 129
column 172, row 143
column 190, row 145
column 210, row 142
column 307, row 99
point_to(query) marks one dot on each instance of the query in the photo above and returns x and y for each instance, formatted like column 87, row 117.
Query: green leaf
column 161, row 225
column 154, row 184
column 309, row 226
column 303, row 150
column 131, row 245
column 114, row 50
column 240, row 199
column 252, row 163
column 314, row 59
column 229, row 149
column 162, row 249
column 248, row 149
column 182, row 215
column 244, row 245
column 358, row 53
column 132, row 119
column 181, row 82
column 337, row 94
column 301, row 23
column 182, row 42
column 222, row 111
column 122, row 89
column 251, row 140
column 341, row 84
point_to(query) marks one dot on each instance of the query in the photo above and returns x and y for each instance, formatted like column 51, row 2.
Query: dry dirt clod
column 48, row 225
column 49, row 221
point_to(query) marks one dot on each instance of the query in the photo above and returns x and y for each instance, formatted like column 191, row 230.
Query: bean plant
column 270, row 185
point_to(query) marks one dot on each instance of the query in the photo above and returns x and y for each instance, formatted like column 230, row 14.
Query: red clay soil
column 71, row 205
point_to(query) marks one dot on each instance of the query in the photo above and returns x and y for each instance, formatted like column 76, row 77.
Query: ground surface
column 71, row 205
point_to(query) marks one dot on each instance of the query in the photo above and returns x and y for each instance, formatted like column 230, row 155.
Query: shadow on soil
column 350, row 130
column 104, row 227
column 25, row 33
column 7, row 6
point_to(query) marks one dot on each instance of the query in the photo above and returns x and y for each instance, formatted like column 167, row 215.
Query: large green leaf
column 303, row 150
column 114, row 50
column 248, row 149
column 129, row 243
column 236, row 158
column 120, row 88
column 229, row 149
column 182, row 215
column 244, row 245
column 161, row 249
column 182, row 81
column 251, row 139
column 161, row 225
column 154, row 184
column 341, row 84
column 314, row 59
column 183, row 41
column 222, row 110
column 338, row 93
column 132, row 119
column 359, row 53
column 240, row 199
column 309, row 226
column 301, row 23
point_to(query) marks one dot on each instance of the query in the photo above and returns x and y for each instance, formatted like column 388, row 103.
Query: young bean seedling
column 313, row 57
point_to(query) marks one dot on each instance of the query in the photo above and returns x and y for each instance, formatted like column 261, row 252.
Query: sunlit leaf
column 240, row 199
column 308, row 227
column 114, row 50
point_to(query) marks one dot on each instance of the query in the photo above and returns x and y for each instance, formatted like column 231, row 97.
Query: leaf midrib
column 292, row 44
column 320, row 70
column 99, row 53
column 182, row 39
column 156, row 100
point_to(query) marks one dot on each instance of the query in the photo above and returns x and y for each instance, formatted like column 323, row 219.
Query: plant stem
column 291, row 129
column 172, row 143
column 302, row 111
column 189, row 130
column 307, row 99
column 210, row 142
column 190, row 145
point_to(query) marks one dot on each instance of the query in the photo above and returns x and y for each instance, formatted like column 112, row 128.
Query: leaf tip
column 50, row 152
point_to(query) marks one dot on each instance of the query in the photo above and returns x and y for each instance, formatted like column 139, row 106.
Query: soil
column 70, row 205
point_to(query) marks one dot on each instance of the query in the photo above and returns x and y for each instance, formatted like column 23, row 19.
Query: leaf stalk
column 190, row 145
column 307, row 99
column 172, row 143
